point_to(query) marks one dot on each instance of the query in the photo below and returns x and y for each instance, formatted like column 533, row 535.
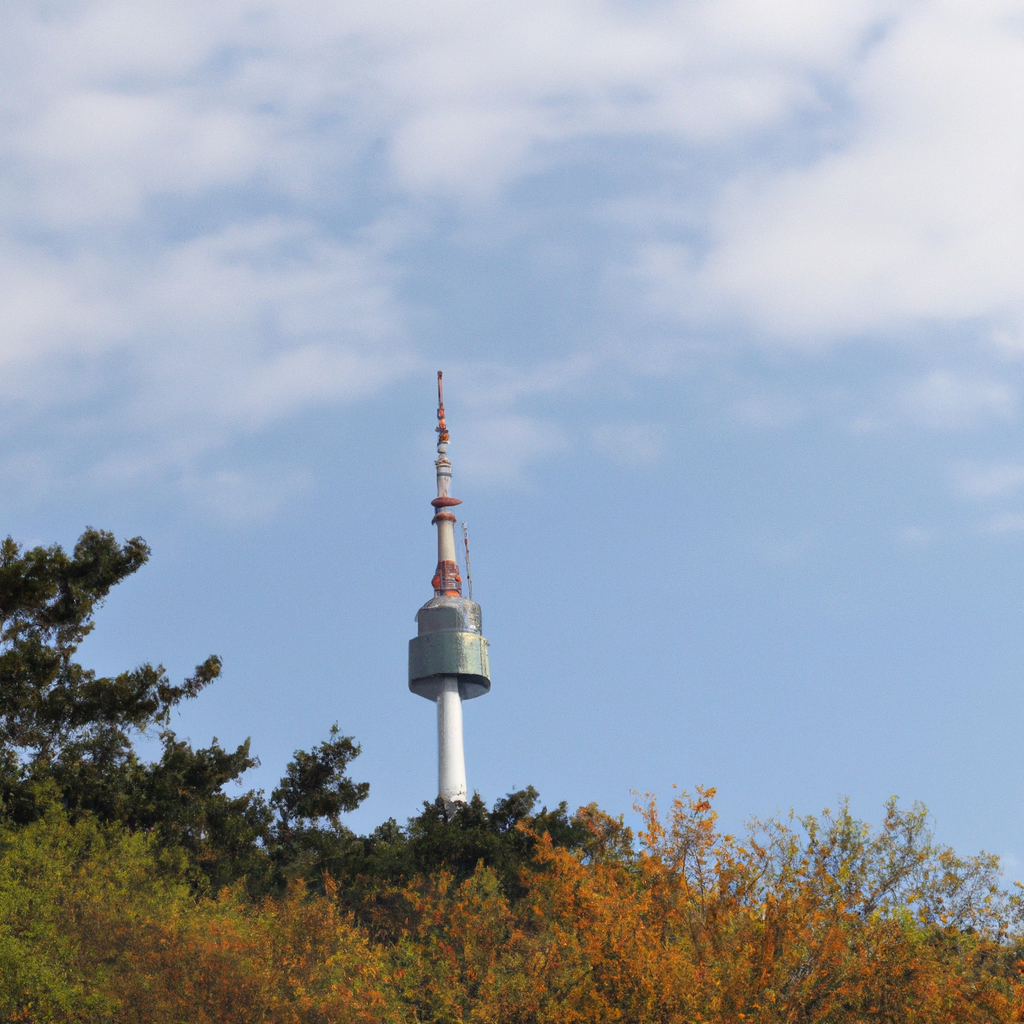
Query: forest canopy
column 135, row 890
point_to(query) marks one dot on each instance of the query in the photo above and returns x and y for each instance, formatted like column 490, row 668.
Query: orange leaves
column 829, row 922
column 295, row 959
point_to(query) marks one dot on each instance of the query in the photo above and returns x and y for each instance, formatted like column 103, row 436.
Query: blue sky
column 730, row 302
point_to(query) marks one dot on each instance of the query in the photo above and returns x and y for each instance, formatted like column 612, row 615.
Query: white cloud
column 99, row 156
column 214, row 337
column 490, row 384
column 211, row 201
column 123, row 99
column 913, row 215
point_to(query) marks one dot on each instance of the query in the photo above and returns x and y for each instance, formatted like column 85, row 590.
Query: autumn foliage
column 824, row 920
column 136, row 892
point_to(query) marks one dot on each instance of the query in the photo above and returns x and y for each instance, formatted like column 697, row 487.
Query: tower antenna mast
column 469, row 571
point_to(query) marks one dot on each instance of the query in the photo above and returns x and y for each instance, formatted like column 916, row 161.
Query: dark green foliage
column 308, row 838
column 66, row 735
column 315, row 785
column 503, row 838
column 49, row 704
column 606, row 839
column 181, row 799
column 60, row 724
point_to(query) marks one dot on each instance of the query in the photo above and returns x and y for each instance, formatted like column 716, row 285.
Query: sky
column 729, row 297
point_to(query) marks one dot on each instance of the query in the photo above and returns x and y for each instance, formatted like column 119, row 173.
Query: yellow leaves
column 774, row 929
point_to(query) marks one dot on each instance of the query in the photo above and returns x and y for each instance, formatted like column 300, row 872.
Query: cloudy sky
column 729, row 295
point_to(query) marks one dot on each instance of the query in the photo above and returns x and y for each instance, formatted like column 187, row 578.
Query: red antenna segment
column 442, row 427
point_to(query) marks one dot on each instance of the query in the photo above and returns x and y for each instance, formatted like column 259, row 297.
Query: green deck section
column 450, row 653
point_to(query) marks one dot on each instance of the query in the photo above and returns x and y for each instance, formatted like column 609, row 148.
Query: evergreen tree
column 67, row 734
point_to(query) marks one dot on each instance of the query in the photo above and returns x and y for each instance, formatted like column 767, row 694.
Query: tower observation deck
column 448, row 656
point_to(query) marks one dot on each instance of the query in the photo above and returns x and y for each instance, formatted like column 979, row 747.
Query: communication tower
column 448, row 656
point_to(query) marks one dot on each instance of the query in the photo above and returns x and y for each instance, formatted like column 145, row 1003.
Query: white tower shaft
column 451, row 759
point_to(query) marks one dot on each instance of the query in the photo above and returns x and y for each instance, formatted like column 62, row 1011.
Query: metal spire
column 442, row 427
column 446, row 582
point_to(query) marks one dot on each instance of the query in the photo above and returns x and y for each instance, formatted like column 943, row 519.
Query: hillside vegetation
column 135, row 891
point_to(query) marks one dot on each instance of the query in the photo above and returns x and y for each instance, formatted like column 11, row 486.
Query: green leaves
column 48, row 702
column 46, row 594
column 66, row 734
column 315, row 785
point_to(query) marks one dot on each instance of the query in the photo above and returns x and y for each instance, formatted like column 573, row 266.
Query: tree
column 60, row 722
column 315, row 785
column 504, row 838
column 308, row 838
column 67, row 734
